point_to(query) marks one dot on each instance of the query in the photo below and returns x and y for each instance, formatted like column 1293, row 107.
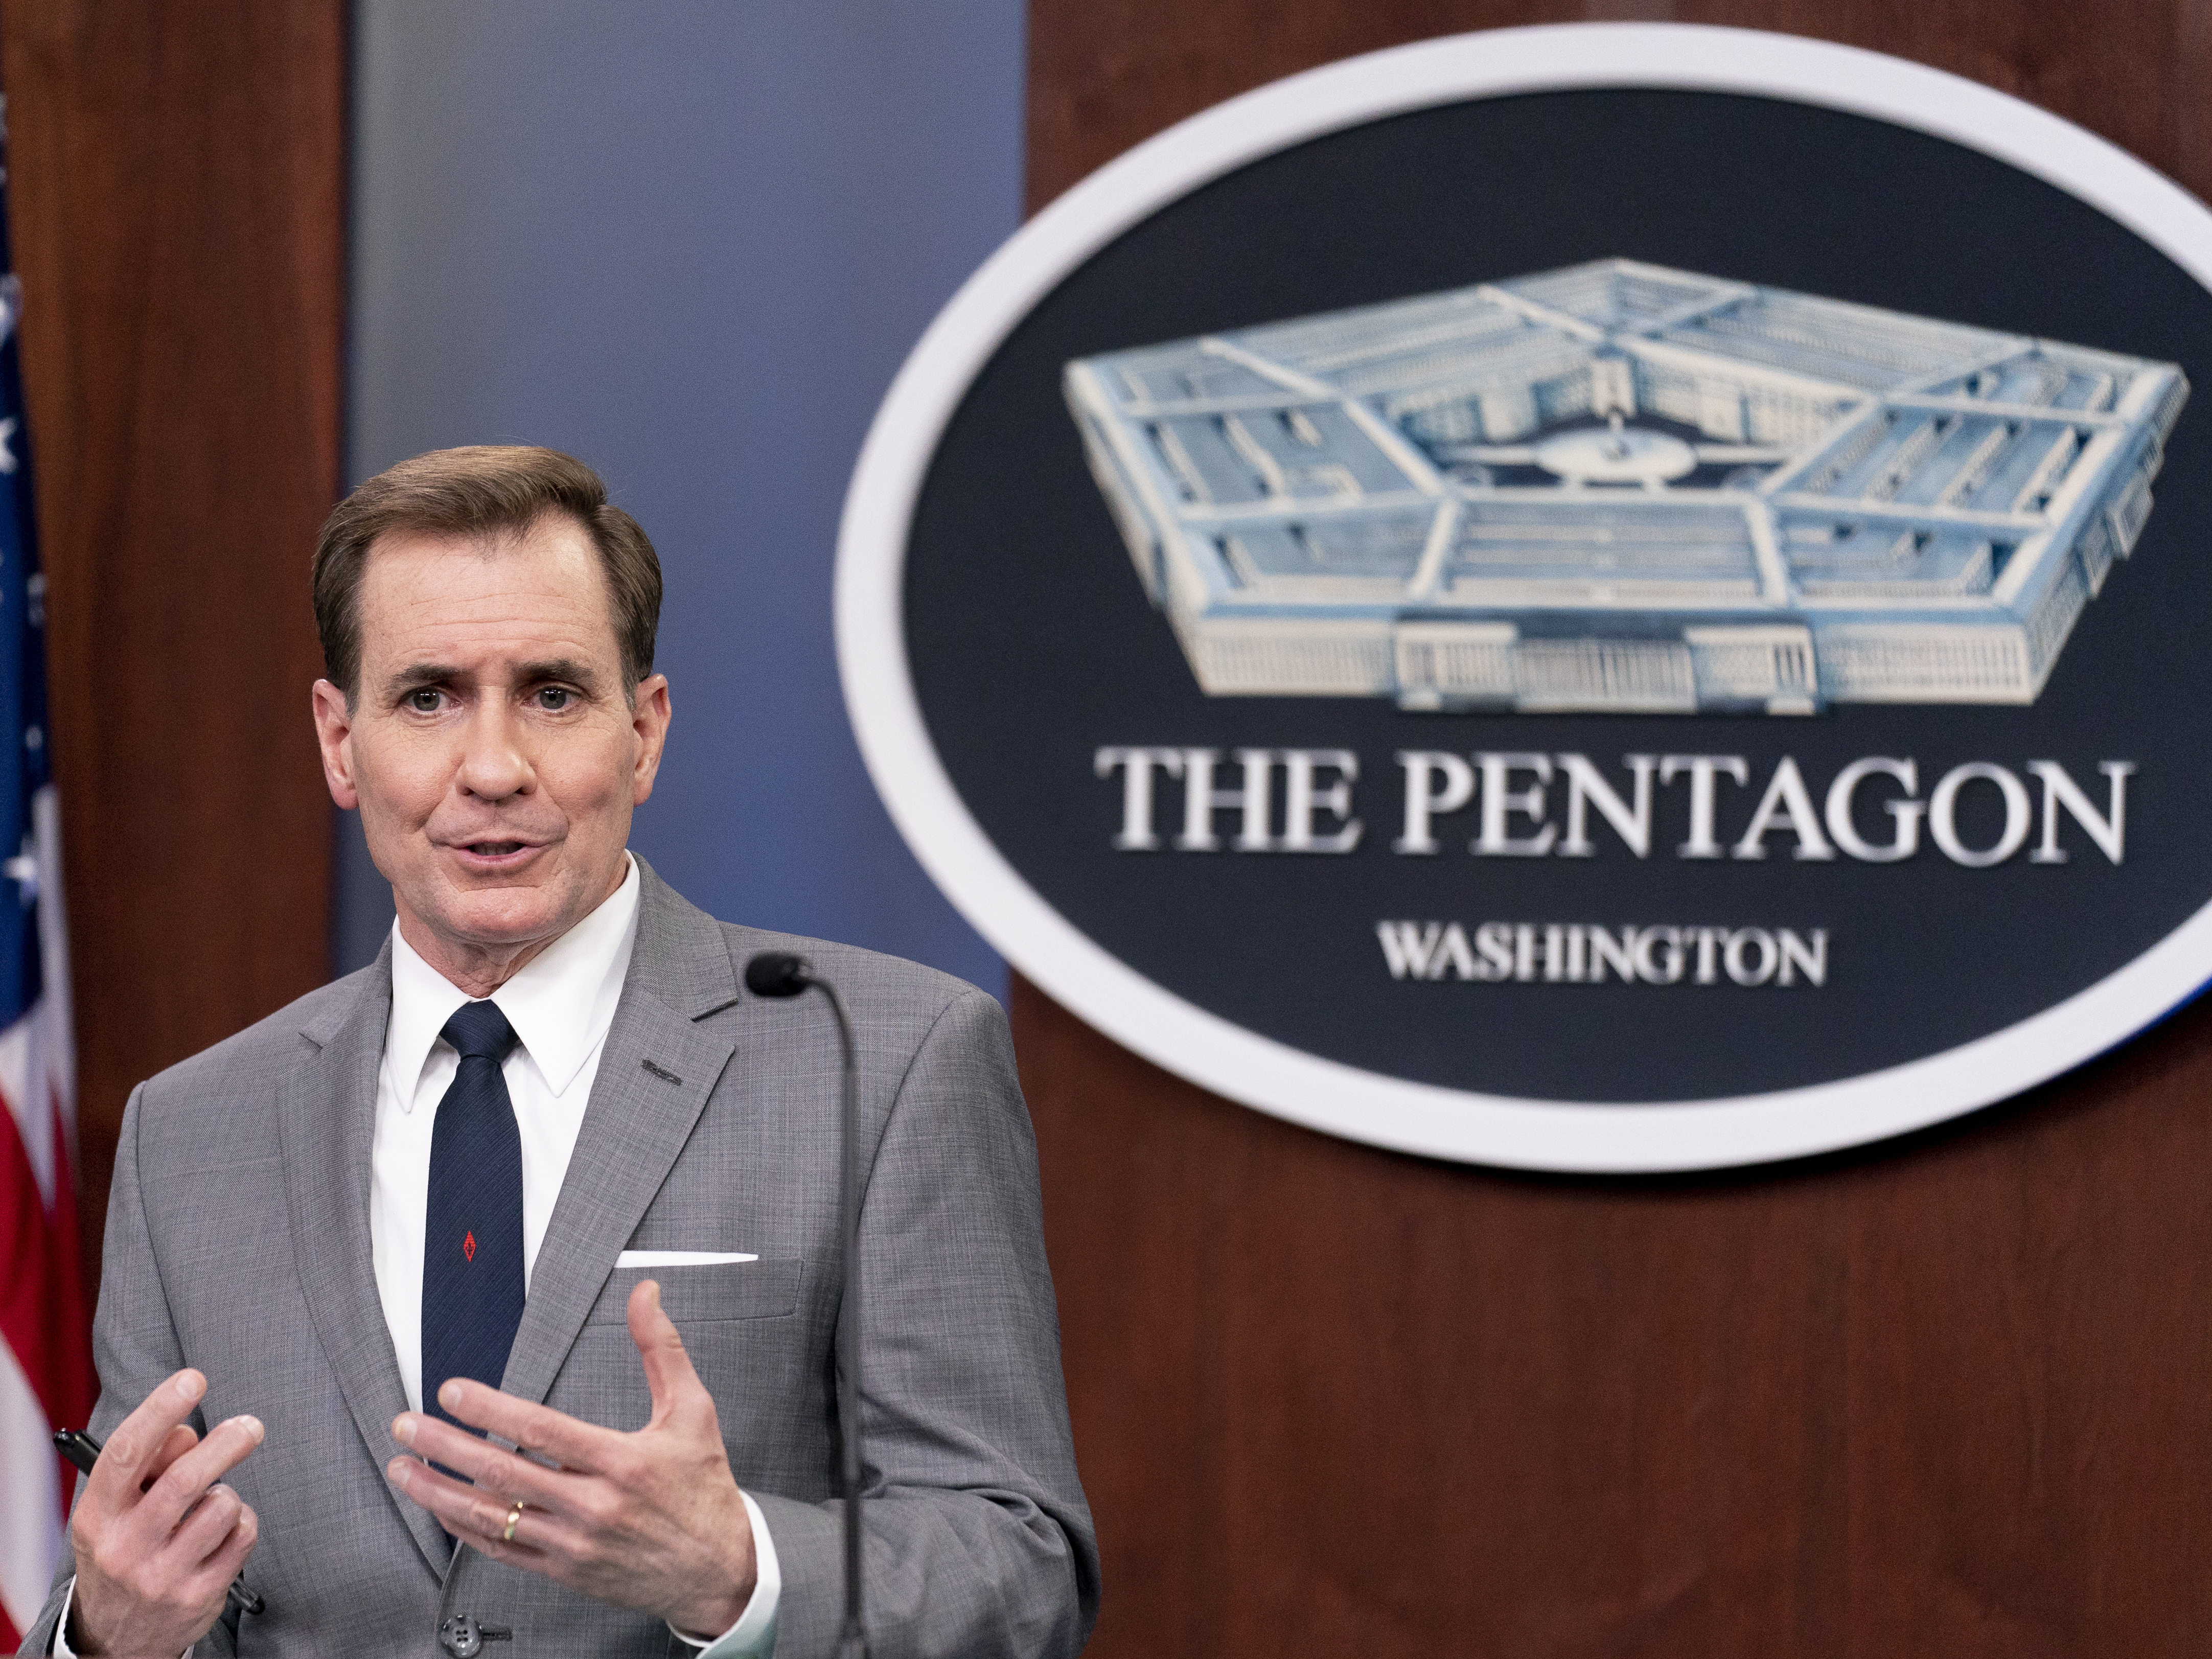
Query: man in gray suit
column 547, row 1170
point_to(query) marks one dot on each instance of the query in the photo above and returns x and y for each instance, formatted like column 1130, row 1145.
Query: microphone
column 779, row 973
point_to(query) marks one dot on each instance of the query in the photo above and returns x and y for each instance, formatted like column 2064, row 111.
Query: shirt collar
column 560, row 1004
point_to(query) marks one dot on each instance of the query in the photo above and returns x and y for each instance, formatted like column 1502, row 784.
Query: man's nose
column 494, row 764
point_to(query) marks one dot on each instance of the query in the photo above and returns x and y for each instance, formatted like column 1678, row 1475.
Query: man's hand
column 157, row 1541
column 651, row 1520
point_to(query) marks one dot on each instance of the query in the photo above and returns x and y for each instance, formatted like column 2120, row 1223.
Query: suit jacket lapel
column 326, row 1121
column 656, row 1070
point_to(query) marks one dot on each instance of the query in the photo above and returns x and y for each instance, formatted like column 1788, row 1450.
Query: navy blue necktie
column 472, row 1247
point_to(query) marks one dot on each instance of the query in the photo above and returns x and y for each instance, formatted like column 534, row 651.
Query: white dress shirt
column 560, row 1004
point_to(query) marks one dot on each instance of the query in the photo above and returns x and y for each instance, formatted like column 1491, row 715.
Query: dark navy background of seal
column 1032, row 643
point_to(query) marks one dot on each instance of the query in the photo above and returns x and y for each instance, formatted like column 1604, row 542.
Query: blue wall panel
column 690, row 241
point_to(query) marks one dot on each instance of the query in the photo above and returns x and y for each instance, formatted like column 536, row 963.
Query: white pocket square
column 679, row 1258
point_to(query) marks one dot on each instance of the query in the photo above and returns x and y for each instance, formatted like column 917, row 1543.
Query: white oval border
column 1272, row 1077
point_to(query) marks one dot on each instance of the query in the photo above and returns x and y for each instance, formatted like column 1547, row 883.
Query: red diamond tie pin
column 469, row 1247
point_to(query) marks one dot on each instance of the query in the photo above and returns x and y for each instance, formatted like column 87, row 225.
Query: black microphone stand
column 779, row 974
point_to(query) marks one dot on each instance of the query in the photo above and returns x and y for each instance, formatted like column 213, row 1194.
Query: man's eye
column 424, row 700
column 551, row 698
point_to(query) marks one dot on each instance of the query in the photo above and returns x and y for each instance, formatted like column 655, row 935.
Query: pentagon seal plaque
column 1607, row 598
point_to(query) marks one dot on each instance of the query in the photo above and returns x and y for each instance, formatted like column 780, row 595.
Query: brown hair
column 477, row 492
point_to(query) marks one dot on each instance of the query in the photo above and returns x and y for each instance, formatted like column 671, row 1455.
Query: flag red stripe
column 75, row 1382
column 41, row 1304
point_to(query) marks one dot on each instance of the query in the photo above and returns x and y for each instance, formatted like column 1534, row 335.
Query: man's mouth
column 494, row 849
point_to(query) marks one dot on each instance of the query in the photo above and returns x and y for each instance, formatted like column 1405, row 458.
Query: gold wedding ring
column 514, row 1515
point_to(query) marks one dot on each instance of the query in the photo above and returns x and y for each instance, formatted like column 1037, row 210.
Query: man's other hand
column 157, row 1540
column 651, row 1520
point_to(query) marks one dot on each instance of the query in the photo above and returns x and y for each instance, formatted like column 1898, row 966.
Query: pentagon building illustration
column 1620, row 487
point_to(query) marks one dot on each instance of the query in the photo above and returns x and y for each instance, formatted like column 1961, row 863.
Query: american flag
column 45, row 1359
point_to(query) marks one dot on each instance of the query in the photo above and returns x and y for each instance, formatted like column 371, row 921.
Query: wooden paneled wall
column 1104, row 74
column 1951, row 1397
column 177, row 188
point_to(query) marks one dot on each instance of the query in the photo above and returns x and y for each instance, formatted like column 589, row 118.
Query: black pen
column 81, row 1449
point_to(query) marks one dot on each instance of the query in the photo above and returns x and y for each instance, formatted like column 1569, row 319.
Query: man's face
column 489, row 747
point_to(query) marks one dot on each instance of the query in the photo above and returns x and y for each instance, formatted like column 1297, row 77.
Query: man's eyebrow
column 568, row 669
column 416, row 676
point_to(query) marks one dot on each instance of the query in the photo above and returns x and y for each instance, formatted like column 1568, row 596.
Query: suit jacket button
column 459, row 1636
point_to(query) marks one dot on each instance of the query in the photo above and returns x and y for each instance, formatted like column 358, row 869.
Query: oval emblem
column 1604, row 598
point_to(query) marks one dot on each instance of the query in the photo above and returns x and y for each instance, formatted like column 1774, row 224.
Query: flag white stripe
column 33, row 1115
column 31, row 1518
column 57, row 1056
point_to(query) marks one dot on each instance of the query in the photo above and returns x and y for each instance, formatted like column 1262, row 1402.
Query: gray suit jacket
column 238, row 1242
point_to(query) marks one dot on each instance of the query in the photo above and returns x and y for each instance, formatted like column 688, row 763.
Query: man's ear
column 334, row 736
column 650, row 712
